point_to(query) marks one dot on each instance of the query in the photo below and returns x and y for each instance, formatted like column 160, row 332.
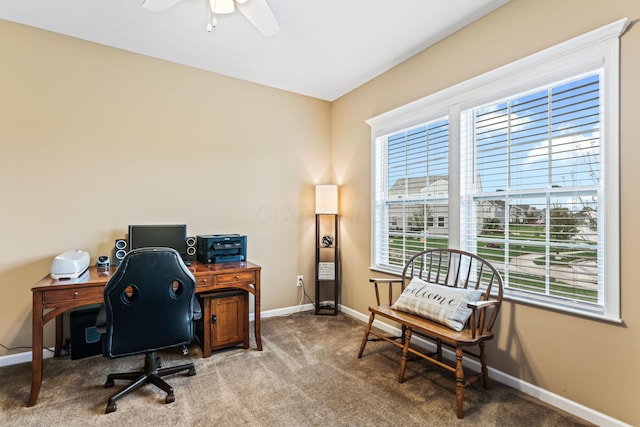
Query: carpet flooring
column 307, row 375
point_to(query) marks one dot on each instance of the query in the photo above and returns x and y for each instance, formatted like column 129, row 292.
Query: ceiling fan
column 257, row 12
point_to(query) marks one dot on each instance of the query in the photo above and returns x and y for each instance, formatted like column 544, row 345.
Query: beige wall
column 589, row 362
column 136, row 140
column 93, row 139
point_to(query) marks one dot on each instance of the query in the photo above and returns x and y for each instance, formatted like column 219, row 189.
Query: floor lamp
column 327, row 256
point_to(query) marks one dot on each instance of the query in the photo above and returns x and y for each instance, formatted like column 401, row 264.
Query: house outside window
column 519, row 166
column 413, row 192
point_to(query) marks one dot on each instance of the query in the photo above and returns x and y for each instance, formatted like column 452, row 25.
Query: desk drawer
column 204, row 281
column 232, row 279
column 69, row 294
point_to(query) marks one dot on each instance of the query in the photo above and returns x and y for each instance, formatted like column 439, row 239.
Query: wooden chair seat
column 454, row 269
column 429, row 327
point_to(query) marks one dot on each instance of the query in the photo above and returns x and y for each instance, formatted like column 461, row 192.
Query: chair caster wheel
column 191, row 372
column 111, row 407
column 170, row 398
column 109, row 383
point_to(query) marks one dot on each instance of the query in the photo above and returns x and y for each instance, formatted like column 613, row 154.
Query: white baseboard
column 546, row 396
column 283, row 311
column 24, row 357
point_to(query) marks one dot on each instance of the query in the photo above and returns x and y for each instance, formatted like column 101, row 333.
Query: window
column 536, row 184
column 519, row 166
column 412, row 191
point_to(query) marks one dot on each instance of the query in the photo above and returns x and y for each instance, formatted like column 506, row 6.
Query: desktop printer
column 69, row 265
column 218, row 248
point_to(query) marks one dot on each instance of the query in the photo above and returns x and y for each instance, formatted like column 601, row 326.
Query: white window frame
column 598, row 49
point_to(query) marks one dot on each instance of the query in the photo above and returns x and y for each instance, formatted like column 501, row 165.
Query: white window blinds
column 411, row 200
column 536, row 184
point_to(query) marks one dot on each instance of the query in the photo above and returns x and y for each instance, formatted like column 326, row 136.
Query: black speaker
column 120, row 249
column 85, row 339
column 191, row 250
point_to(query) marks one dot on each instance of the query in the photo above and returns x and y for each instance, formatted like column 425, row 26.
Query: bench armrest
column 475, row 305
column 385, row 280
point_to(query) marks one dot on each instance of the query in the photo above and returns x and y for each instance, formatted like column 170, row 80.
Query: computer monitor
column 167, row 236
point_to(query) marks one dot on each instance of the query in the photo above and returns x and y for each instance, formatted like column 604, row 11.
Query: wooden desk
column 51, row 298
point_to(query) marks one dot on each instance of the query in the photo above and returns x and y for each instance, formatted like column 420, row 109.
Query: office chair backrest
column 149, row 303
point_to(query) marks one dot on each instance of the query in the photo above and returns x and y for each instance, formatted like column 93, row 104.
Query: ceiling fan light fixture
column 222, row 6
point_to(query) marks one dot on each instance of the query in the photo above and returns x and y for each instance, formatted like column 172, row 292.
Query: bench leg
column 483, row 363
column 366, row 334
column 459, row 383
column 405, row 353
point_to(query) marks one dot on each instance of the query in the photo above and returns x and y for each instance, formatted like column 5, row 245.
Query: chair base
column 151, row 374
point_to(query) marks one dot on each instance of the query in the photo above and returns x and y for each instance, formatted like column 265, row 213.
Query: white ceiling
column 325, row 48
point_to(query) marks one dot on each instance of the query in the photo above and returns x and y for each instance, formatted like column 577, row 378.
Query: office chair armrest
column 197, row 310
column 101, row 320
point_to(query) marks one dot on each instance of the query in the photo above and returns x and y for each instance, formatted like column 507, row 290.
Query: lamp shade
column 326, row 199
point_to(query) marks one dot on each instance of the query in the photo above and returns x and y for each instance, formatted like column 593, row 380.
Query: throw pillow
column 443, row 304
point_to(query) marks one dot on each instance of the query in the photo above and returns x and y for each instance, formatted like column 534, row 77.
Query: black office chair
column 149, row 305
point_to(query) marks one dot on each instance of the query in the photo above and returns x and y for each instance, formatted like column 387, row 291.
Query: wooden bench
column 453, row 269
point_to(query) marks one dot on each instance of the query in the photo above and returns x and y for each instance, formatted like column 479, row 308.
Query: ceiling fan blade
column 259, row 14
column 158, row 5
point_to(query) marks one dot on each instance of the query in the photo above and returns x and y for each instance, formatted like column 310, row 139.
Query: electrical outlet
column 299, row 280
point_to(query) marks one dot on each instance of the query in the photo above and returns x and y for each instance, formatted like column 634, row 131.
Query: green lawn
column 495, row 252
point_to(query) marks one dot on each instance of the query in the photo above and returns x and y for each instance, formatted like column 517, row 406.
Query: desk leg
column 257, row 328
column 36, row 349
column 58, row 347
column 256, row 313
